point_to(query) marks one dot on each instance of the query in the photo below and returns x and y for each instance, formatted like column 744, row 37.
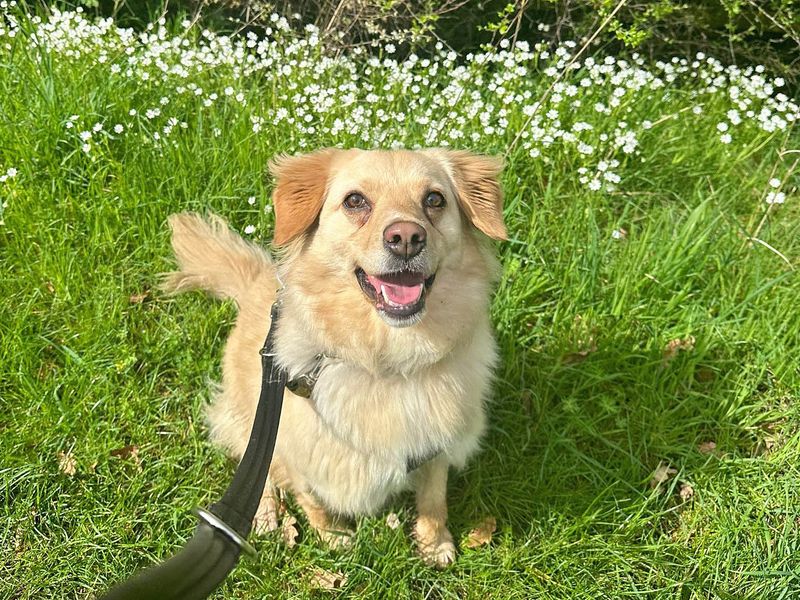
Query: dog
column 384, row 273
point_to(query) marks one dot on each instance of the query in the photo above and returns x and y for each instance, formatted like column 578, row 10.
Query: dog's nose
column 404, row 239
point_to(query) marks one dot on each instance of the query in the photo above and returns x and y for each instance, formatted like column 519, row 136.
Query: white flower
column 250, row 229
column 725, row 138
column 776, row 198
column 132, row 112
column 594, row 184
column 86, row 148
column 775, row 183
column 723, row 126
column 251, row 200
column 85, row 135
column 617, row 234
column 390, row 48
column 11, row 172
column 119, row 128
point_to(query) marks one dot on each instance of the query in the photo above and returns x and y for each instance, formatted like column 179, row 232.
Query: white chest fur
column 363, row 425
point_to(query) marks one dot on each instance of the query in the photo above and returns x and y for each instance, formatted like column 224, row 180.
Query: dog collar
column 303, row 384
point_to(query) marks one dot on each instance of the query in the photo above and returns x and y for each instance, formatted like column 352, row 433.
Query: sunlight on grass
column 648, row 306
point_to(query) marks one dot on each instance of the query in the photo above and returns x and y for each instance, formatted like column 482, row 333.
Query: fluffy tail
column 214, row 258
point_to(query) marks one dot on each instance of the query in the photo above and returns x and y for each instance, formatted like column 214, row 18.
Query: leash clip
column 215, row 522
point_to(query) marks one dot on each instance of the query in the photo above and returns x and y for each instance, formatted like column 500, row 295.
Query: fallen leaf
column 289, row 530
column 66, row 463
column 674, row 346
column 707, row 447
column 139, row 298
column 327, row 580
column 129, row 452
column 662, row 473
column 392, row 521
column 686, row 491
column 50, row 287
column 482, row 534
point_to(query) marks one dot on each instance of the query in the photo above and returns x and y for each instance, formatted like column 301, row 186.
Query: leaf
column 675, row 346
column 289, row 530
column 66, row 463
column 482, row 534
column 392, row 521
column 686, row 491
column 662, row 474
column 327, row 580
column 129, row 452
column 139, row 298
column 707, row 447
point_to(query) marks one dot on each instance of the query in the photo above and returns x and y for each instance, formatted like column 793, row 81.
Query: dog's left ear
column 302, row 183
column 479, row 193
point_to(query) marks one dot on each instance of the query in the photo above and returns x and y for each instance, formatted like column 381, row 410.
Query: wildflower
column 251, row 200
column 725, row 138
column 776, row 198
column 250, row 229
column 775, row 183
column 119, row 128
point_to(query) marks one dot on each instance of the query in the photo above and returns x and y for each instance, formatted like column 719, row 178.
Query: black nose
column 404, row 239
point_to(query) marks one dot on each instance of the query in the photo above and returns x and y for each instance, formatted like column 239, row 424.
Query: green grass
column 585, row 406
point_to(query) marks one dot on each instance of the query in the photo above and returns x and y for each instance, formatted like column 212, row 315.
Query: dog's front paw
column 435, row 546
column 266, row 518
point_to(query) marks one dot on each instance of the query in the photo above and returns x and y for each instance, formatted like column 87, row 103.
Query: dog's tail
column 214, row 258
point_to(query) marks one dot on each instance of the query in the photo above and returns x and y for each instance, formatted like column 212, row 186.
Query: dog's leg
column 434, row 541
column 333, row 530
column 268, row 510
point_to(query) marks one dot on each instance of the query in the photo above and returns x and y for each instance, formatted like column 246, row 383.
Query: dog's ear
column 479, row 193
column 301, row 184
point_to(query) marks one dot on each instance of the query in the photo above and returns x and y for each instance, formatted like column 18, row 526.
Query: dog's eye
column 434, row 200
column 355, row 202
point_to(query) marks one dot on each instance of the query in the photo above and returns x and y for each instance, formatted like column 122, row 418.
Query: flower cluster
column 538, row 100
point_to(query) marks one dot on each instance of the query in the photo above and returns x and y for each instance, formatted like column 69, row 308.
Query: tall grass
column 648, row 307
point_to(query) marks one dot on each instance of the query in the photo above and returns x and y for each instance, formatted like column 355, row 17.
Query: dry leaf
column 129, row 452
column 139, row 298
column 482, row 534
column 50, row 287
column 66, row 463
column 686, row 491
column 674, row 346
column 392, row 521
column 707, row 447
column 662, row 473
column 289, row 530
column 327, row 580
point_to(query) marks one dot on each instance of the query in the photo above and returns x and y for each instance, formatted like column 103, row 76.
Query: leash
column 220, row 536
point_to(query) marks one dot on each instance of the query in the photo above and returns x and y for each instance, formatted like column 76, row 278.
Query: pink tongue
column 396, row 293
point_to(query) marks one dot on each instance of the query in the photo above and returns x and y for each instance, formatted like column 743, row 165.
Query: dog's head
column 386, row 227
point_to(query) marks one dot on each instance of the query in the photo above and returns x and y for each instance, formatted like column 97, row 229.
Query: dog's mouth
column 399, row 295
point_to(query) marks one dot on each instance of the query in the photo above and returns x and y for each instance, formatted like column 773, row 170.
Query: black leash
column 220, row 537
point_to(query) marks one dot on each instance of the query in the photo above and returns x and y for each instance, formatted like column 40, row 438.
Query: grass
column 587, row 404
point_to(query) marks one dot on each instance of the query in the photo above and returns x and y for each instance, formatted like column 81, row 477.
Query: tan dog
column 386, row 272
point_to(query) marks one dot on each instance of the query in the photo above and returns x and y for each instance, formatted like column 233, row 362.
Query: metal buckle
column 214, row 521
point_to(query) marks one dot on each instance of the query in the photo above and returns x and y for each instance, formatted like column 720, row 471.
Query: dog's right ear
column 302, row 183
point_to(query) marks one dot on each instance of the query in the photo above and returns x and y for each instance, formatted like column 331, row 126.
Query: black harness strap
column 219, row 539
